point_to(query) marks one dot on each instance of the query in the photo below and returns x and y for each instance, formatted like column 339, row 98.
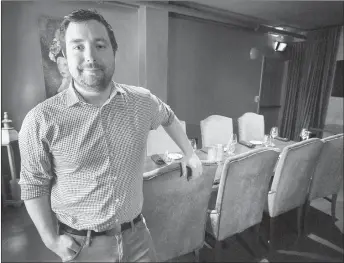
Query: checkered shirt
column 89, row 158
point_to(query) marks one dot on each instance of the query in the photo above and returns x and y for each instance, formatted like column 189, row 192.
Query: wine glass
column 274, row 132
column 234, row 139
column 231, row 148
column 267, row 140
column 304, row 134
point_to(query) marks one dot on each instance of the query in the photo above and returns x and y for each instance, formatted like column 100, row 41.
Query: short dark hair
column 81, row 15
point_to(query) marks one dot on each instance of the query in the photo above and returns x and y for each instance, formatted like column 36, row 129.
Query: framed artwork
column 55, row 67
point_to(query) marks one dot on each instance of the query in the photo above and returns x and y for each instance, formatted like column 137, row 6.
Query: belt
column 124, row 226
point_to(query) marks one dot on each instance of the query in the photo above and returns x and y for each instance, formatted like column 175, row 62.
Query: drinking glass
column 304, row 134
column 274, row 132
column 232, row 139
column 219, row 152
column 212, row 153
column 267, row 140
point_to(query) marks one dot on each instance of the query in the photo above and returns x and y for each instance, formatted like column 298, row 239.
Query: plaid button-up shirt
column 89, row 158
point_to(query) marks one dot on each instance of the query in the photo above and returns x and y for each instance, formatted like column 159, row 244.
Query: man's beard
column 94, row 82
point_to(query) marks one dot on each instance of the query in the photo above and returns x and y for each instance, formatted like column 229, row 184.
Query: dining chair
column 216, row 129
column 175, row 209
column 291, row 181
column 159, row 141
column 251, row 127
column 328, row 175
column 239, row 201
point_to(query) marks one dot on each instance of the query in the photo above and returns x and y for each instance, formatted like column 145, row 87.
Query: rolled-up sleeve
column 35, row 173
column 161, row 113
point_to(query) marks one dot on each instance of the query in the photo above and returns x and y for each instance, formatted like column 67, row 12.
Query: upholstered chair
column 239, row 201
column 328, row 175
column 175, row 209
column 291, row 182
column 159, row 141
column 251, row 127
column 216, row 129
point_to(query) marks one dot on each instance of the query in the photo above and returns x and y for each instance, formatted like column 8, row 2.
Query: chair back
column 292, row 176
column 242, row 191
column 159, row 141
column 251, row 127
column 216, row 129
column 175, row 209
column 328, row 175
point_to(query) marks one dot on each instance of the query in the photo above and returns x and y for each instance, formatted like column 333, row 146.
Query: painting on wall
column 55, row 67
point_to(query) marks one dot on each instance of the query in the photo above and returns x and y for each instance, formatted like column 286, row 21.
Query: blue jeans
column 132, row 245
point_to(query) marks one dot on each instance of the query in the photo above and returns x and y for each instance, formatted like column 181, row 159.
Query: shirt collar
column 73, row 96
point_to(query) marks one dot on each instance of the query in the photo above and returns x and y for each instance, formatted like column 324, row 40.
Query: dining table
column 202, row 154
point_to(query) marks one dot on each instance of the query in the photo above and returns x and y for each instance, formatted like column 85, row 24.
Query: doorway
column 272, row 91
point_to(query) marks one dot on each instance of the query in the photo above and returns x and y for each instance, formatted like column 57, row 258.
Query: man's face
column 90, row 57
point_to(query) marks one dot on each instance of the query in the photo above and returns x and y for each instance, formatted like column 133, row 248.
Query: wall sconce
column 254, row 53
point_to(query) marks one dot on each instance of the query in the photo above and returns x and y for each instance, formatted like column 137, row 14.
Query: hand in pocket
column 66, row 247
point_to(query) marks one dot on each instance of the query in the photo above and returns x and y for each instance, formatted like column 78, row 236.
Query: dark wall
column 210, row 71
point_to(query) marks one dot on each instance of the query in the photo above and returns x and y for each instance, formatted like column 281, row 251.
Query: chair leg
column 257, row 238
column 305, row 216
column 217, row 251
column 333, row 207
column 299, row 221
column 196, row 254
column 264, row 239
column 272, row 234
column 243, row 243
column 224, row 244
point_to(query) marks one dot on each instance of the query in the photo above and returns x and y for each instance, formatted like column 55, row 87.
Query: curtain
column 296, row 55
column 310, row 81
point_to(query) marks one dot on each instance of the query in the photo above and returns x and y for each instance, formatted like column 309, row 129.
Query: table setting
column 217, row 154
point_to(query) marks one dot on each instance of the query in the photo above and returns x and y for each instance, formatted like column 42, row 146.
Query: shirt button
column 116, row 220
column 117, row 200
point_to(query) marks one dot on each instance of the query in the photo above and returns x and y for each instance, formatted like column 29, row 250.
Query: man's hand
column 194, row 163
column 64, row 246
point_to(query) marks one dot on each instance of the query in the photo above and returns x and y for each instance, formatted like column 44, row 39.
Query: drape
column 310, row 80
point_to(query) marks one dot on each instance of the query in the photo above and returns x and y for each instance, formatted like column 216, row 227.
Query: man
column 83, row 152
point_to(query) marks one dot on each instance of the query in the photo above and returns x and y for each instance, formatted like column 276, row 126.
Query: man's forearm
column 176, row 132
column 42, row 216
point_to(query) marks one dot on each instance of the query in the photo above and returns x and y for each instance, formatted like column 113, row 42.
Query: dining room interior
column 258, row 88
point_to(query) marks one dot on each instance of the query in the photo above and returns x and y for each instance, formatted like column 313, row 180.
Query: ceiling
column 295, row 15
